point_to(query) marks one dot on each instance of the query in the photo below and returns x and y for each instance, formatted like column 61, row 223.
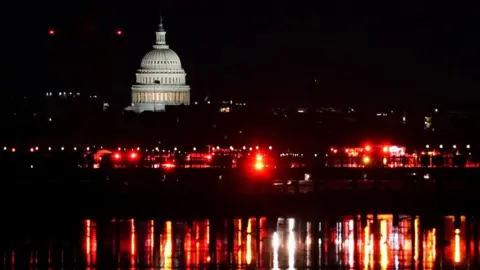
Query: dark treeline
column 84, row 120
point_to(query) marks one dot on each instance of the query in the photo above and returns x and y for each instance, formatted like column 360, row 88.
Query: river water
column 382, row 241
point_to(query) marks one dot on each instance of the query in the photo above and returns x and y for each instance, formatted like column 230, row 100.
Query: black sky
column 375, row 52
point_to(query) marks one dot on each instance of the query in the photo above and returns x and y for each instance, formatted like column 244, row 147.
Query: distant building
column 160, row 80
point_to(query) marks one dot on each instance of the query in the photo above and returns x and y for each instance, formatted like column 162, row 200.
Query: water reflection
column 359, row 241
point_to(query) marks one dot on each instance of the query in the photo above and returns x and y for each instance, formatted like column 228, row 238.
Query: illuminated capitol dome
column 160, row 80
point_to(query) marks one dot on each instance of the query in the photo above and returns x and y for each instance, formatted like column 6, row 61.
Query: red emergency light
column 259, row 165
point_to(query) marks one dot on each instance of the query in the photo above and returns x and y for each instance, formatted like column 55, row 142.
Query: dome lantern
column 160, row 42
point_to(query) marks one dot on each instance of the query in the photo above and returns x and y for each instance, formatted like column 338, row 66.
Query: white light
column 175, row 149
column 315, row 155
column 194, row 149
column 4, row 148
column 119, row 149
column 441, row 146
column 468, row 146
column 454, row 146
column 49, row 148
column 138, row 148
column 74, row 148
column 231, row 148
column 88, row 148
column 50, row 119
column 218, row 147
column 244, row 147
column 275, row 240
column 393, row 148
column 436, row 110
column 270, row 148
column 62, row 148
column 291, row 224
column 257, row 147
column 427, row 146
column 31, row 166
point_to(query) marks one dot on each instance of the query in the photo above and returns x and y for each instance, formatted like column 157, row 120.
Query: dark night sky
column 375, row 52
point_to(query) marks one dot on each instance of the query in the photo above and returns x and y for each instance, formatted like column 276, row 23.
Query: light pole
column 155, row 95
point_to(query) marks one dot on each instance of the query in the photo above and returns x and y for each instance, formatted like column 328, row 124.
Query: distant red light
column 169, row 165
column 119, row 32
column 209, row 157
column 31, row 149
column 51, row 32
column 385, row 149
column 133, row 155
column 117, row 156
column 368, row 148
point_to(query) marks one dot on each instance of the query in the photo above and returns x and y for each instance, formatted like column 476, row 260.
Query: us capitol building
column 160, row 80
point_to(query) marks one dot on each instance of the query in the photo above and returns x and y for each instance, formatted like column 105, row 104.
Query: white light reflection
column 396, row 247
column 351, row 244
column 308, row 245
column 338, row 242
column 291, row 243
column 275, row 244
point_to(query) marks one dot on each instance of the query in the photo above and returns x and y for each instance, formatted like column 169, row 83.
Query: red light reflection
column 90, row 242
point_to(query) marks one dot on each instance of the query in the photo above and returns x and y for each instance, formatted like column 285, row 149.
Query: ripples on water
column 383, row 241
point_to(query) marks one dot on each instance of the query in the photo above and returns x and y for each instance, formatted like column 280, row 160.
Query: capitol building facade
column 160, row 80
